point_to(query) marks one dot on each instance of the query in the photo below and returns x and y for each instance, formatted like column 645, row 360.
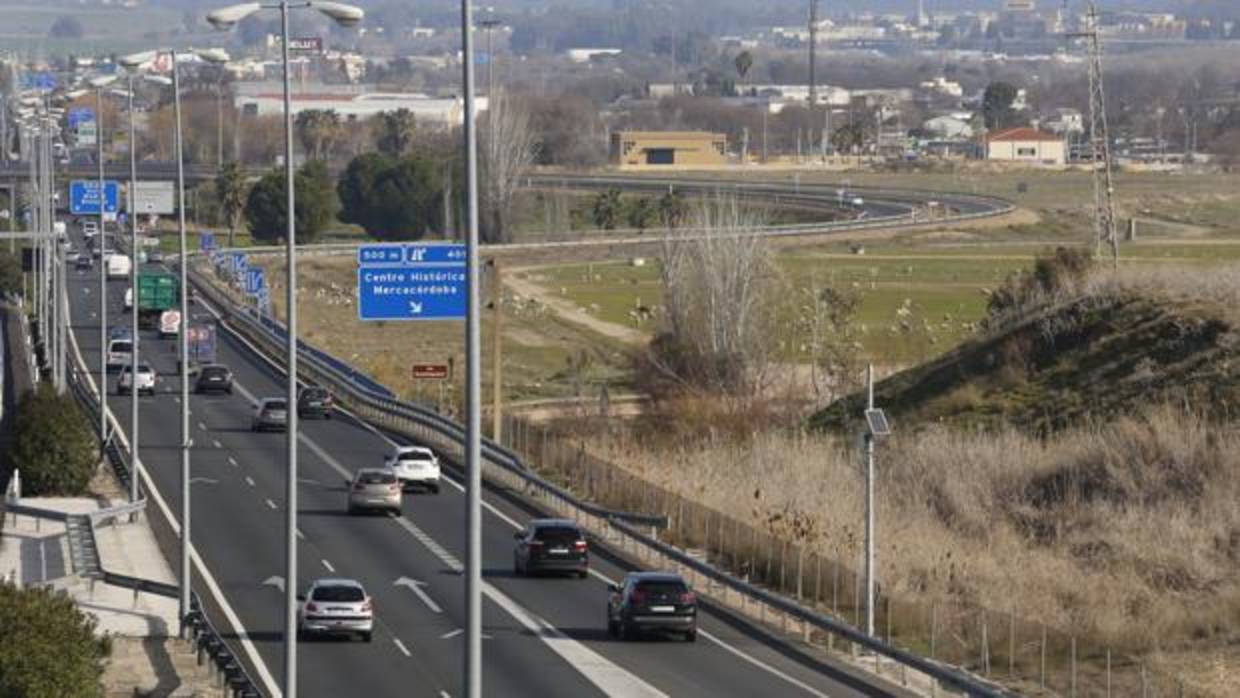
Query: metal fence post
column 1042, row 672
column 1011, row 644
column 1072, row 692
column 985, row 646
column 1108, row 672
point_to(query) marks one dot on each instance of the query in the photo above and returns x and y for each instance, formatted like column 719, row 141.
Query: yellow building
column 668, row 148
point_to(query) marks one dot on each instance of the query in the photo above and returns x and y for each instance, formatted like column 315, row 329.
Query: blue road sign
column 206, row 241
column 39, row 81
column 84, row 196
column 254, row 281
column 416, row 281
column 78, row 115
column 239, row 263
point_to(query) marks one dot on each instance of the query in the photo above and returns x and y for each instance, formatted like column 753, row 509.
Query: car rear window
column 416, row 457
column 663, row 587
column 341, row 594
column 124, row 347
column 376, row 478
column 214, row 371
column 314, row 394
column 277, row 405
column 558, row 534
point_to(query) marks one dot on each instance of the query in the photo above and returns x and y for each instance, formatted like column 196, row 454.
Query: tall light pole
column 133, row 307
column 226, row 18
column 99, row 84
column 135, row 62
column 473, row 427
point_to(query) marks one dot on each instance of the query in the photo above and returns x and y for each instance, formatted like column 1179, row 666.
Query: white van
column 118, row 266
column 119, row 353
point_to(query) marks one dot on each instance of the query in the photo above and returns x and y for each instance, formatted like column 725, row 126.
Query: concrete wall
column 633, row 149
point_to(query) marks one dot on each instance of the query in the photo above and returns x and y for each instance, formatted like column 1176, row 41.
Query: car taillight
column 358, row 487
column 688, row 598
column 394, row 487
column 311, row 607
column 580, row 546
column 367, row 607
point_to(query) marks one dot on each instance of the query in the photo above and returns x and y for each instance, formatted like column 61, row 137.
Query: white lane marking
column 610, row 678
column 300, row 534
column 329, row 567
column 249, row 480
column 232, row 461
column 202, row 426
column 405, row 651
column 451, row 634
column 763, row 665
column 216, row 444
column 243, row 635
column 431, row 544
column 271, row 504
column 416, row 587
column 444, row 694
column 176, row 399
column 42, row 560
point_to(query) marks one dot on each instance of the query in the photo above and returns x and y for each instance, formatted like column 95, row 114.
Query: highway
column 543, row 636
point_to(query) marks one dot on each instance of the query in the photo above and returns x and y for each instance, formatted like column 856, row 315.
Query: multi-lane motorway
column 542, row 637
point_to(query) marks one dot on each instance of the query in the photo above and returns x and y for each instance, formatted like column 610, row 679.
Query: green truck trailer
column 157, row 292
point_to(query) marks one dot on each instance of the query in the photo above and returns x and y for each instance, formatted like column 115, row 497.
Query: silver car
column 270, row 413
column 374, row 489
column 335, row 607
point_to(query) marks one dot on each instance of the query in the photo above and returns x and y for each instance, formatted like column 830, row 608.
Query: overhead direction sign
column 154, row 197
column 254, row 281
column 84, row 196
column 414, row 281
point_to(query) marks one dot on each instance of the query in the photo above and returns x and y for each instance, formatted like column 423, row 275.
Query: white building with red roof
column 1029, row 145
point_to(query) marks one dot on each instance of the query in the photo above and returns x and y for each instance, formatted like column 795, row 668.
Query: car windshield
column 277, row 405
column 564, row 535
column 343, row 594
column 376, row 477
column 122, row 347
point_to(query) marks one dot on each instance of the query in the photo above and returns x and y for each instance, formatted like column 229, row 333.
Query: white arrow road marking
column 274, row 581
column 416, row 587
column 451, row 634
column 203, row 480
column 308, row 481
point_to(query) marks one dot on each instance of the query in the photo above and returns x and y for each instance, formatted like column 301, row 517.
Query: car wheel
column 691, row 635
column 228, row 390
column 612, row 630
column 366, row 637
column 434, row 489
column 516, row 566
column 582, row 574
column 327, row 415
column 627, row 632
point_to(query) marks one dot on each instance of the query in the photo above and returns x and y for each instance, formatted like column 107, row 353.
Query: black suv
column 551, row 545
column 313, row 401
column 213, row 378
column 651, row 601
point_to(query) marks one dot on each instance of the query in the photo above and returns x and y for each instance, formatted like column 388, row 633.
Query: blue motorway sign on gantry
column 206, row 241
column 254, row 281
column 414, row 281
column 84, row 196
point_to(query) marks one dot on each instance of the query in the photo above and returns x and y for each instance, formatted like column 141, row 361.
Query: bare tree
column 719, row 282
column 507, row 148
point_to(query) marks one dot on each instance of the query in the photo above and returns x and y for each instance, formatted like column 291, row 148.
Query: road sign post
column 415, row 281
column 430, row 371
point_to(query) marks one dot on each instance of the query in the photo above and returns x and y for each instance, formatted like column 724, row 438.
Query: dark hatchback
column 313, row 401
column 214, row 378
column 651, row 601
column 551, row 545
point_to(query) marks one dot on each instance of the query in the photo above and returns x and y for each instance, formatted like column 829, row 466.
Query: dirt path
column 568, row 310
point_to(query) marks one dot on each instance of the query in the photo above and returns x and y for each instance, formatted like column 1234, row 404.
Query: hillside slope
column 1103, row 352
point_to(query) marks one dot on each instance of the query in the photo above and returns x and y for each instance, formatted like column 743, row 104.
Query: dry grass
column 1127, row 534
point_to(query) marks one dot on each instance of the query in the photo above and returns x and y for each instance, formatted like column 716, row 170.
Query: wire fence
column 1021, row 653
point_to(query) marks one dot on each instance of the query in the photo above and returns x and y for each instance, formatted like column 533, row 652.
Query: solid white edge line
column 213, row 587
column 763, row 665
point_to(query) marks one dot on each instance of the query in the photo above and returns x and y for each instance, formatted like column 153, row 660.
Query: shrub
column 53, row 445
column 1062, row 270
column 48, row 648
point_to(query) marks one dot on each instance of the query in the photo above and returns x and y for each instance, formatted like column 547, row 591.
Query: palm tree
column 318, row 130
column 395, row 131
column 743, row 62
column 231, row 186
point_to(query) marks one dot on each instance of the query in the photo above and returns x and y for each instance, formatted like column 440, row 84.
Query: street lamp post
column 135, row 62
column 103, row 276
column 226, row 18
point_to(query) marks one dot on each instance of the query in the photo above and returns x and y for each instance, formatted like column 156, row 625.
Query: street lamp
column 132, row 63
column 99, row 83
column 226, row 18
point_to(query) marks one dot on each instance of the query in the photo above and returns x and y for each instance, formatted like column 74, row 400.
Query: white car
column 415, row 466
column 119, row 351
column 335, row 607
column 145, row 382
column 129, row 298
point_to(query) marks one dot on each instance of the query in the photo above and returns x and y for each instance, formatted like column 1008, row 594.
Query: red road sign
column 434, row 371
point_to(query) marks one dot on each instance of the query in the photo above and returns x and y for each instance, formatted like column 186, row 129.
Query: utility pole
column 497, row 361
column 813, row 41
column 103, row 275
column 869, row 507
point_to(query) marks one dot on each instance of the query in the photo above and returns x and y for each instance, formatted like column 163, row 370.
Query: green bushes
column 1061, row 270
column 48, row 647
column 53, row 445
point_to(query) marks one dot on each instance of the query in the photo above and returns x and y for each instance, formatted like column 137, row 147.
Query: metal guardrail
column 389, row 412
